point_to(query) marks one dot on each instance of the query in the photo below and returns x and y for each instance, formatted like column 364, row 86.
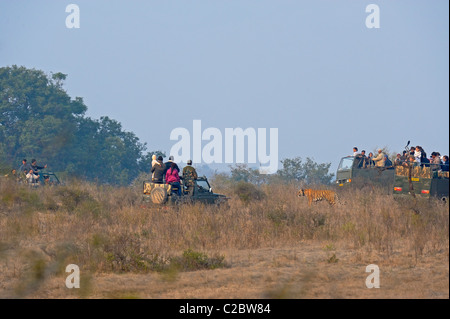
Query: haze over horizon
column 311, row 69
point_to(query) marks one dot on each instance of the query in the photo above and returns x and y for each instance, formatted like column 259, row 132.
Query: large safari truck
column 200, row 191
column 421, row 181
column 355, row 171
column 405, row 179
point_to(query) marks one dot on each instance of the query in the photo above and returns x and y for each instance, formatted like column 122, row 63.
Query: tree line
column 38, row 119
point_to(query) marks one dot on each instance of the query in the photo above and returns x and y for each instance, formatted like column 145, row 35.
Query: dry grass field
column 269, row 246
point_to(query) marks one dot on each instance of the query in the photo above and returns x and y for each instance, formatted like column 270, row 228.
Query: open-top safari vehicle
column 199, row 191
column 408, row 178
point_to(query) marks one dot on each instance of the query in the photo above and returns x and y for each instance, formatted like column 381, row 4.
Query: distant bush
column 248, row 192
column 192, row 260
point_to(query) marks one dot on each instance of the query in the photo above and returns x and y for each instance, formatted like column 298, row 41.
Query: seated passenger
column 31, row 177
column 13, row 175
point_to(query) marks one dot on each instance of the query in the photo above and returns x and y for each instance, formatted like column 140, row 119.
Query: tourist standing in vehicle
column 189, row 177
column 158, row 171
column 380, row 159
column 36, row 168
column 168, row 164
column 370, row 161
column 435, row 161
column 25, row 167
column 418, row 154
column 173, row 178
column 398, row 160
column 363, row 163
column 445, row 165
column 154, row 162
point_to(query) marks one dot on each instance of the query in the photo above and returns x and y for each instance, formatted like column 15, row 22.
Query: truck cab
column 357, row 171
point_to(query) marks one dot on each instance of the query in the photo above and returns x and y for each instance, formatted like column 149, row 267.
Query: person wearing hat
column 189, row 176
column 158, row 171
column 380, row 159
column 168, row 164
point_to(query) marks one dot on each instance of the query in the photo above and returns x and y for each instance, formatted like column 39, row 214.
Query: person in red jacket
column 173, row 178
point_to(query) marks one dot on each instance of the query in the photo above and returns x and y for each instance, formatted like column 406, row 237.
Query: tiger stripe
column 319, row 195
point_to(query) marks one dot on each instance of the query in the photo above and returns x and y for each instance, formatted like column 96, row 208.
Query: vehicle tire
column 158, row 195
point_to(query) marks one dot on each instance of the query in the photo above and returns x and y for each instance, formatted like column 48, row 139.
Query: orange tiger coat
column 319, row 195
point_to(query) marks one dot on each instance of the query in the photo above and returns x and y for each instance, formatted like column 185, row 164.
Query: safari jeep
column 164, row 193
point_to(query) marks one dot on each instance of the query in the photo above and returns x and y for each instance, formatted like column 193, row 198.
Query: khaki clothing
column 379, row 160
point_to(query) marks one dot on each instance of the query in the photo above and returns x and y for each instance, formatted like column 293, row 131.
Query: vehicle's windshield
column 346, row 163
column 203, row 185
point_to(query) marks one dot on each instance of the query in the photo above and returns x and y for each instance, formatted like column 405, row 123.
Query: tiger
column 319, row 195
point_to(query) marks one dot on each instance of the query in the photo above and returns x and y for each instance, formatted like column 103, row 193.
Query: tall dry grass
column 107, row 229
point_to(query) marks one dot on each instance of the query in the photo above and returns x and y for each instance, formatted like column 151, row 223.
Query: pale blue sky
column 312, row 69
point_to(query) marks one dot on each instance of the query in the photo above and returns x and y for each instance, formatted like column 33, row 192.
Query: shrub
column 192, row 260
column 248, row 192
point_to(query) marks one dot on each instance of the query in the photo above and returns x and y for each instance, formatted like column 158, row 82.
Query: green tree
column 309, row 171
column 37, row 117
column 243, row 173
column 104, row 152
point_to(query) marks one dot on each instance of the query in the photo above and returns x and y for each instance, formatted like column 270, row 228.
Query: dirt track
column 308, row 270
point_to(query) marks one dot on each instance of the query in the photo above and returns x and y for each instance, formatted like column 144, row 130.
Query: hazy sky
column 311, row 68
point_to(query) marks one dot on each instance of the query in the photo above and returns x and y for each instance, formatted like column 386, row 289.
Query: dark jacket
column 36, row 168
column 159, row 171
column 444, row 166
column 169, row 163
